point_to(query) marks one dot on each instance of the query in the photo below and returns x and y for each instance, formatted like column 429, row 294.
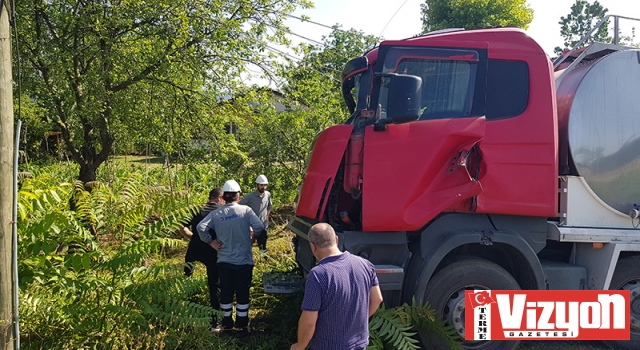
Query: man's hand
column 186, row 232
column 296, row 347
column 215, row 244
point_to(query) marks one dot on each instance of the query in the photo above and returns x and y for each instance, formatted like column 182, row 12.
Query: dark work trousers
column 262, row 240
column 235, row 279
column 202, row 252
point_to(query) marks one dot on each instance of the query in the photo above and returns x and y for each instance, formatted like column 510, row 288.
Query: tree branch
column 151, row 68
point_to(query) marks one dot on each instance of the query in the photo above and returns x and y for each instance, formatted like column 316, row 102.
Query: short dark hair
column 215, row 193
column 322, row 235
column 230, row 196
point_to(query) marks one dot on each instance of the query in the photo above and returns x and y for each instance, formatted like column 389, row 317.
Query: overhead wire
column 288, row 31
column 326, row 73
column 305, row 38
column 283, row 53
column 312, row 22
column 298, row 59
column 390, row 19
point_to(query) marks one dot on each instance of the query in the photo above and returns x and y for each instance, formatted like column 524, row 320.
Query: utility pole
column 6, row 182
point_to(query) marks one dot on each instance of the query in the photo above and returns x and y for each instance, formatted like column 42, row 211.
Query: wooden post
column 6, row 183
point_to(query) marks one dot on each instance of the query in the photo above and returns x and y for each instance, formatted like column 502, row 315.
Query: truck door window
column 507, row 88
column 448, row 79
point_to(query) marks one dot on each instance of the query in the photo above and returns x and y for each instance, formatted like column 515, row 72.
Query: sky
column 399, row 19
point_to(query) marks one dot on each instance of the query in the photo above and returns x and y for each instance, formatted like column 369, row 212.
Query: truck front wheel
column 627, row 277
column 445, row 294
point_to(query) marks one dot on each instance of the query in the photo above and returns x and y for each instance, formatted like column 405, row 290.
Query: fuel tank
column 599, row 125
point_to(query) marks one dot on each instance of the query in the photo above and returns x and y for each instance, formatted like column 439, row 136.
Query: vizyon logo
column 547, row 314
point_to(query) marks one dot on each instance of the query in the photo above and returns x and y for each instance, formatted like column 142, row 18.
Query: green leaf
column 76, row 261
column 86, row 261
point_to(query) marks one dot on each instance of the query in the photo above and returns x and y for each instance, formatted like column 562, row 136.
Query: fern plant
column 91, row 273
column 397, row 328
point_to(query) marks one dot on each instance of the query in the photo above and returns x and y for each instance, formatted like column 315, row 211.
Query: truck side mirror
column 405, row 93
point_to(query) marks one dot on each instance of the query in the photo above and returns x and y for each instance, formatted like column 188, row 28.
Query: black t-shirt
column 195, row 220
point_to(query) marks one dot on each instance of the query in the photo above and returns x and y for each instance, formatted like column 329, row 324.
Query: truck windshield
column 448, row 79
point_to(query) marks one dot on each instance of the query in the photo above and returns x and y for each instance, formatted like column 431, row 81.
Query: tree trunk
column 87, row 172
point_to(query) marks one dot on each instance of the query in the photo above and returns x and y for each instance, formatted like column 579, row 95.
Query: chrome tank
column 599, row 126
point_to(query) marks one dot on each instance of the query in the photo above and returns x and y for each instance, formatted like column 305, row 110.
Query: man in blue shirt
column 341, row 293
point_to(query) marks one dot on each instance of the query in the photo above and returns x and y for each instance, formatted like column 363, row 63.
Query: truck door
column 414, row 171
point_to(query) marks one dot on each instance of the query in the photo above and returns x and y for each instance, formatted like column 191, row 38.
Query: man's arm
column 375, row 299
column 255, row 222
column 306, row 329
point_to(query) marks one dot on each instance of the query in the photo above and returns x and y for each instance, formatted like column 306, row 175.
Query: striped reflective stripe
column 242, row 310
column 227, row 309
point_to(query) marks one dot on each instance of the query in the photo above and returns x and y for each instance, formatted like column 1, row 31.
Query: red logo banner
column 547, row 315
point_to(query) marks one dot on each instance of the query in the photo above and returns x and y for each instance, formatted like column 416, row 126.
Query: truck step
column 390, row 277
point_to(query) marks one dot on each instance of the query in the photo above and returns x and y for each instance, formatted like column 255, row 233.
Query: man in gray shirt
column 232, row 223
column 260, row 201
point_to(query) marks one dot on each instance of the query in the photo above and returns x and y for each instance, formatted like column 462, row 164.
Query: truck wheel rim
column 634, row 313
column 454, row 312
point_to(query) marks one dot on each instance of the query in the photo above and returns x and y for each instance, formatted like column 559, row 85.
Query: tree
column 277, row 143
column 315, row 81
column 90, row 63
column 580, row 21
column 470, row 14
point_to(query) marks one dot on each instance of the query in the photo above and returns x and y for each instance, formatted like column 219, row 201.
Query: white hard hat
column 231, row 186
column 262, row 180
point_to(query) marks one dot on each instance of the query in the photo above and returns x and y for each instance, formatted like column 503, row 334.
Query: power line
column 288, row 31
column 284, row 53
column 326, row 73
column 395, row 13
column 305, row 38
column 312, row 22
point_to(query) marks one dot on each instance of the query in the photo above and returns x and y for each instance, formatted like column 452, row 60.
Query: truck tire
column 445, row 294
column 627, row 276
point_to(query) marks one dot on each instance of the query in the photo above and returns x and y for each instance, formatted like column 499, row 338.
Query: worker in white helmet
column 260, row 201
column 232, row 224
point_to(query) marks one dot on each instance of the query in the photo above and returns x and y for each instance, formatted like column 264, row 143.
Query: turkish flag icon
column 480, row 299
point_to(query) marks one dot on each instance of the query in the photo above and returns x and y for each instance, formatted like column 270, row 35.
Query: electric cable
column 325, row 73
column 390, row 19
column 298, row 59
column 288, row 31
column 312, row 22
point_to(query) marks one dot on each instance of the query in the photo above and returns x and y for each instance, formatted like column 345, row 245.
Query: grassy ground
column 151, row 161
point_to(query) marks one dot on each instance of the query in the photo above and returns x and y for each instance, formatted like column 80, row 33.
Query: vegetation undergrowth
column 101, row 267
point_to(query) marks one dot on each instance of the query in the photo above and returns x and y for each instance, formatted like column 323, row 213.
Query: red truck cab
column 446, row 175
column 485, row 140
